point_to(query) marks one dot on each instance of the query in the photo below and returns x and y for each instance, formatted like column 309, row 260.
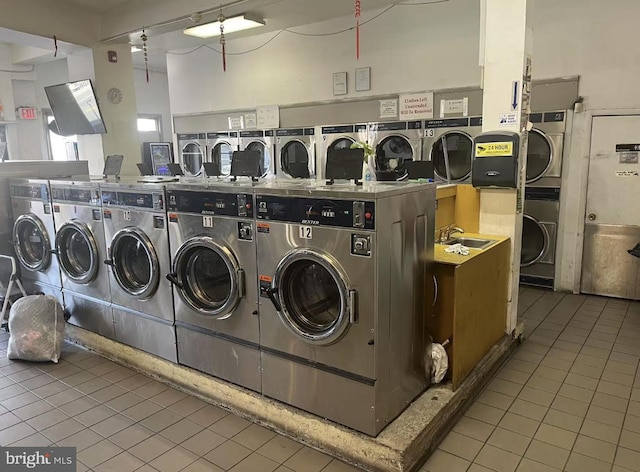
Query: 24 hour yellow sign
column 501, row 149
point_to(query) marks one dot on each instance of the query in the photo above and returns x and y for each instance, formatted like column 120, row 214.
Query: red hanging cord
column 223, row 42
column 358, row 11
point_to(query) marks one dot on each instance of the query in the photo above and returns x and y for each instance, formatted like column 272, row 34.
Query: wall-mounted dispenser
column 496, row 159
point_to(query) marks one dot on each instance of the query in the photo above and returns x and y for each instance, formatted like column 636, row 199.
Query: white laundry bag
column 36, row 327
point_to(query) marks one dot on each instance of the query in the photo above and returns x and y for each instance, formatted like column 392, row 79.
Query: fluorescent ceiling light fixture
column 135, row 48
column 231, row 25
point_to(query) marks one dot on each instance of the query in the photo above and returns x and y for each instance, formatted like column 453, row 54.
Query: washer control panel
column 317, row 212
column 210, row 203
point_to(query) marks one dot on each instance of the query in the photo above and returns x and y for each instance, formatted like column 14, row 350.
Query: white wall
column 153, row 98
column 410, row 48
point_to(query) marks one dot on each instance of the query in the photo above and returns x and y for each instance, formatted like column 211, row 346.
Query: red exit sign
column 28, row 113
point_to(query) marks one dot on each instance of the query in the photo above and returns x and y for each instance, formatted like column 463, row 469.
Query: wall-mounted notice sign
column 627, row 173
column 389, row 108
column 416, row 106
column 454, row 107
column 236, row 122
column 268, row 117
column 250, row 120
column 340, row 83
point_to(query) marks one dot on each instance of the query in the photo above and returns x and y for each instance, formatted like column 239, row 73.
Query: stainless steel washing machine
column 342, row 273
column 448, row 144
column 221, row 146
column 338, row 137
column 34, row 232
column 193, row 153
column 214, row 278
column 546, row 147
column 264, row 143
column 81, row 250
column 296, row 153
column 135, row 226
column 539, row 236
column 396, row 143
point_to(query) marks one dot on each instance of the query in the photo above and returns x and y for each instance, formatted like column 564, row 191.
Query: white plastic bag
column 440, row 363
column 36, row 327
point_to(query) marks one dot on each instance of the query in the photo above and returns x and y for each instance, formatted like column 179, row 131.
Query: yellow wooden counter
column 471, row 304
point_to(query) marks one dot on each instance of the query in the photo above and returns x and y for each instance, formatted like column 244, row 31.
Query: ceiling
column 97, row 6
column 164, row 21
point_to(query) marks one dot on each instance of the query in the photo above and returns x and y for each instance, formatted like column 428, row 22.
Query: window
column 147, row 124
column 61, row 148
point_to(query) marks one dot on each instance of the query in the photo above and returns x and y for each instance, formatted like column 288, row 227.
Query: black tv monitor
column 344, row 164
column 75, row 108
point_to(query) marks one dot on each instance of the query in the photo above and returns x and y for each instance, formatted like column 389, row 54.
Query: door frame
column 575, row 175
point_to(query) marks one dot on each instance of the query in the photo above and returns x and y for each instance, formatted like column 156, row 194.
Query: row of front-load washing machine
column 301, row 152
column 310, row 294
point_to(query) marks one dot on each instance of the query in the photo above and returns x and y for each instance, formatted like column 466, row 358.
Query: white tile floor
column 568, row 400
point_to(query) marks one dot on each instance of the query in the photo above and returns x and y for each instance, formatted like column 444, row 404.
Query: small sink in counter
column 475, row 243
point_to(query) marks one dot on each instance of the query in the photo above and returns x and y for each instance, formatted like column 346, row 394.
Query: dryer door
column 192, row 158
column 208, row 278
column 540, row 155
column 221, row 155
column 314, row 298
column 135, row 263
column 32, row 242
column 263, row 149
column 536, row 242
column 294, row 159
column 77, row 252
column 392, row 153
column 452, row 155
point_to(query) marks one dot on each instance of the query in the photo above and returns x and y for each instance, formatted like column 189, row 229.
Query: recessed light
column 231, row 25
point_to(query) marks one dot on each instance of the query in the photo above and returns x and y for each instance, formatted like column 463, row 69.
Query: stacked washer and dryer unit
column 542, row 197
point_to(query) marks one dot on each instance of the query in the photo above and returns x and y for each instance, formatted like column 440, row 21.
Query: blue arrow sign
column 515, row 96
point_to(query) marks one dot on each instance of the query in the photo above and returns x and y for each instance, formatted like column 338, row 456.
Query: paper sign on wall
column 509, row 119
column 454, row 107
column 389, row 108
column 250, row 120
column 416, row 106
column 268, row 117
column 627, row 173
column 236, row 122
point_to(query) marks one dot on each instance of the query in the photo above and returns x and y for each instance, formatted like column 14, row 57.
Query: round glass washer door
column 32, row 243
column 456, row 147
column 294, row 159
column 135, row 263
column 77, row 252
column 392, row 153
column 192, row 158
column 208, row 277
column 539, row 155
column 221, row 156
column 535, row 241
column 265, row 160
column 316, row 303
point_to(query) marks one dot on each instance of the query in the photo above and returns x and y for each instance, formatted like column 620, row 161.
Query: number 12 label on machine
column 305, row 232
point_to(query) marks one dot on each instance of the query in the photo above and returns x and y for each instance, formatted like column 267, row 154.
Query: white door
column 612, row 225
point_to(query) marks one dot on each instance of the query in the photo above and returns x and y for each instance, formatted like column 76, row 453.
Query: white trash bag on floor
column 36, row 328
